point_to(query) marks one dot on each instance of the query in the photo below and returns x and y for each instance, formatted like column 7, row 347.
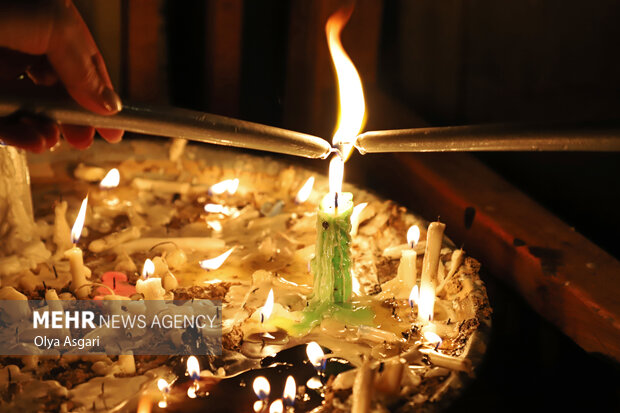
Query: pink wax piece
column 117, row 281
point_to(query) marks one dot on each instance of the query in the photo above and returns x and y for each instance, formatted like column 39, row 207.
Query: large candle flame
column 215, row 263
column 148, row 268
column 315, row 354
column 193, row 368
column 76, row 231
column 350, row 91
column 228, row 185
column 305, row 191
column 290, row 390
column 111, row 179
column 276, row 407
column 266, row 310
column 261, row 387
column 413, row 235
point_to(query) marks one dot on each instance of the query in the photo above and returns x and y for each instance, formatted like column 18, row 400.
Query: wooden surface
column 564, row 277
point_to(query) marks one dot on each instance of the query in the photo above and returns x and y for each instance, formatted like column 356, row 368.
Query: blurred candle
column 430, row 266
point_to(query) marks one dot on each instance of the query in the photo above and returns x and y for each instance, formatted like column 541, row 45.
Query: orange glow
column 76, row 231
column 145, row 405
column 261, row 387
column 215, row 263
column 351, row 116
column 413, row 235
column 265, row 312
column 305, row 191
column 111, row 179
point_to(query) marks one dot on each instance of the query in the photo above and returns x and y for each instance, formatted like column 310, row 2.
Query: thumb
column 73, row 54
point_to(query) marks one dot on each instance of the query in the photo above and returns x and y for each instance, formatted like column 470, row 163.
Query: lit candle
column 277, row 406
column 261, row 389
column 430, row 266
column 151, row 287
column 316, row 356
column 164, row 388
column 193, row 370
column 331, row 265
column 79, row 272
column 406, row 277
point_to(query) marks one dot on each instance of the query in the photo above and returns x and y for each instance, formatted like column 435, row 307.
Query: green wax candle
column 331, row 264
column 331, row 267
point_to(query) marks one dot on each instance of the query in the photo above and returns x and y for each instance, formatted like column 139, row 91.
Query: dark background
column 448, row 62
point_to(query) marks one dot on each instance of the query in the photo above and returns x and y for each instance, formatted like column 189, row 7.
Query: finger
column 111, row 135
column 80, row 137
column 45, row 127
column 22, row 135
column 42, row 73
column 75, row 58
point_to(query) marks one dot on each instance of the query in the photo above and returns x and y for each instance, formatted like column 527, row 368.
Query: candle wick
column 114, row 283
column 437, row 346
column 55, row 272
column 262, row 318
column 336, row 200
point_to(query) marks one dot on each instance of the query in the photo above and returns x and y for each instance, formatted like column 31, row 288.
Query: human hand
column 48, row 41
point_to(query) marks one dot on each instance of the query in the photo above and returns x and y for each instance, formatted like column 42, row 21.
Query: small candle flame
column 258, row 405
column 305, row 191
column 355, row 217
column 290, row 390
column 111, row 179
column 76, row 231
column 148, row 268
column 191, row 392
column 215, row 263
column 336, row 174
column 193, row 368
column 413, row 235
column 227, row 185
column 314, row 383
column 414, row 296
column 315, row 354
column 261, row 387
column 276, row 407
column 214, row 208
column 163, row 386
column 215, row 225
column 433, row 338
column 266, row 310
column 352, row 106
